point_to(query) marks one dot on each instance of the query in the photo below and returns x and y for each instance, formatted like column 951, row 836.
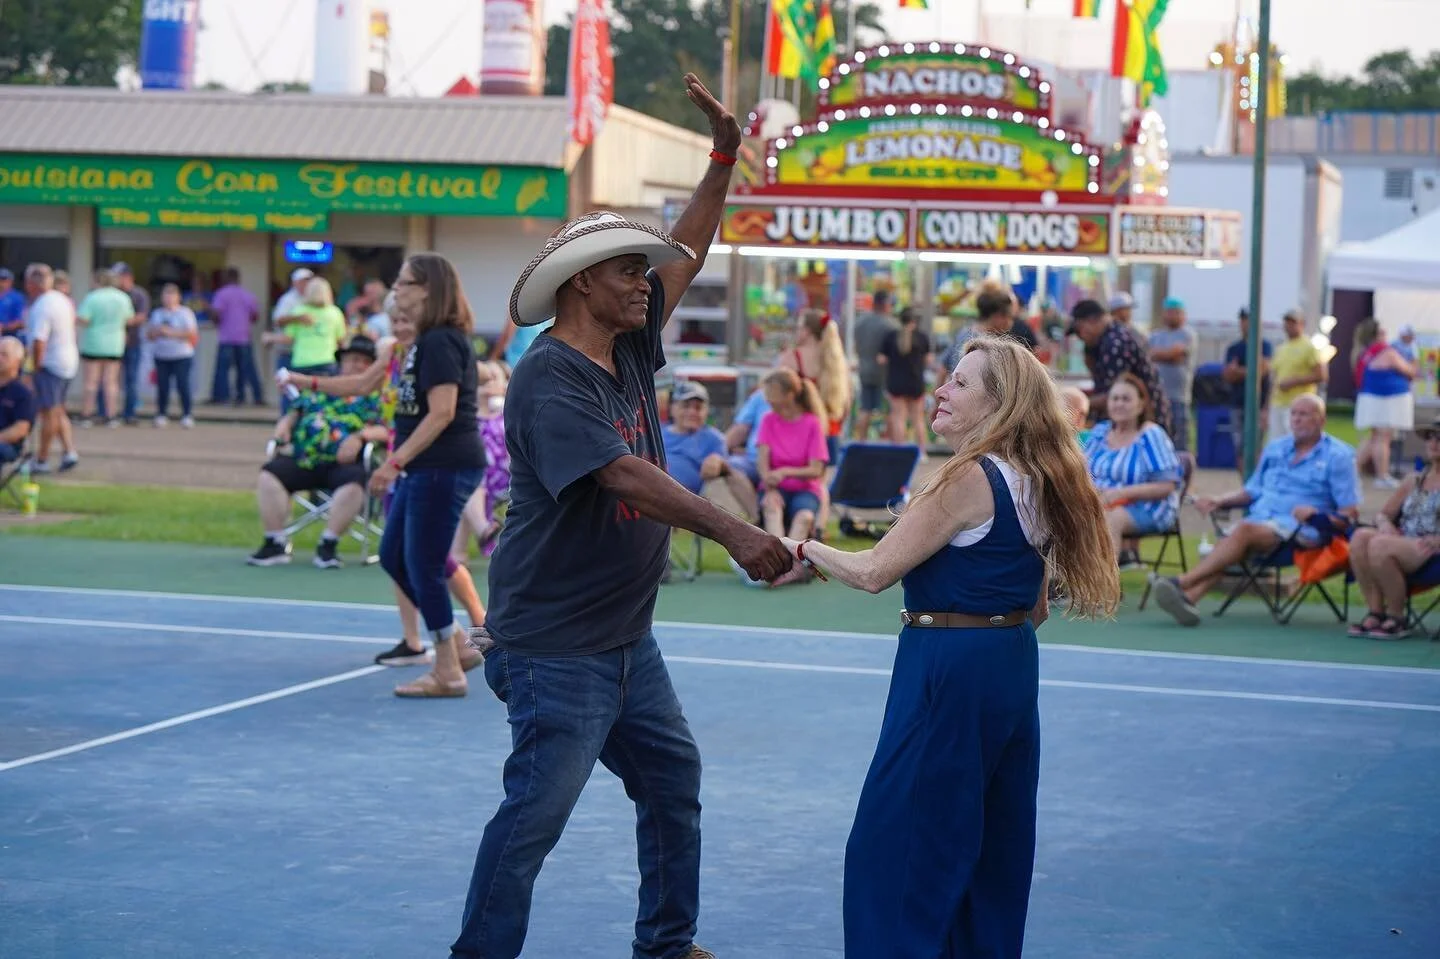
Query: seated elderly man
column 1301, row 476
column 326, row 435
column 695, row 454
column 17, row 401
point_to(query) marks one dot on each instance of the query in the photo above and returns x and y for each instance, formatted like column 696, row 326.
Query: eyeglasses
column 1428, row 435
column 400, row 283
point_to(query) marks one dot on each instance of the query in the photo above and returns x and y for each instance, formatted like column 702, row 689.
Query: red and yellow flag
column 1136, row 53
column 800, row 39
column 1090, row 9
column 914, row 5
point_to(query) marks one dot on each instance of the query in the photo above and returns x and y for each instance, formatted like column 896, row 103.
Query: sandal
column 1366, row 626
column 430, row 687
column 1390, row 628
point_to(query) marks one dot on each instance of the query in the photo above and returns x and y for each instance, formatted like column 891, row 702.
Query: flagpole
column 1261, row 105
column 850, row 15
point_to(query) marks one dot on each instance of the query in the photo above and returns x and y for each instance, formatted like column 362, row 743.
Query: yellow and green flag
column 1089, row 9
column 914, row 5
column 802, row 39
column 1136, row 55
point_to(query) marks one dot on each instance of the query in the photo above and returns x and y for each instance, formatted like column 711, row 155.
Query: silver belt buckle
column 997, row 620
column 905, row 617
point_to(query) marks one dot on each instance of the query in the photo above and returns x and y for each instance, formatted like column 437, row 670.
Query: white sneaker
column 1387, row 482
column 188, row 422
column 161, row 422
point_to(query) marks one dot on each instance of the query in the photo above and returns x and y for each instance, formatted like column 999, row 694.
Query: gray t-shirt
column 869, row 338
column 140, row 301
column 1176, row 378
column 576, row 571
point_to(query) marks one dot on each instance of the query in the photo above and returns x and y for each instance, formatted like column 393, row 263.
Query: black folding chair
column 1424, row 584
column 1174, row 534
column 871, row 476
column 1272, row 565
column 10, row 473
column 366, row 528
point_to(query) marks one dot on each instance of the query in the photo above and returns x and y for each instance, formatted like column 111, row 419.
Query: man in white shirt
column 55, row 357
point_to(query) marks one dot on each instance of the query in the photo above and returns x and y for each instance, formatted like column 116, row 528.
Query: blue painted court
column 197, row 776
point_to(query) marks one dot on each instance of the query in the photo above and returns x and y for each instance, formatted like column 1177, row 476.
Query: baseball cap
column 6, row 274
column 301, row 274
column 689, row 390
column 1406, row 330
column 122, row 269
column 1174, row 303
column 1122, row 301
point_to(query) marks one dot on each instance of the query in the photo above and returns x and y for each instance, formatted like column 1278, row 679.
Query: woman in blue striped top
column 1133, row 464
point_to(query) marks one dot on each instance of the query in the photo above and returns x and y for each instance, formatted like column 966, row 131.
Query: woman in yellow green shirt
column 314, row 331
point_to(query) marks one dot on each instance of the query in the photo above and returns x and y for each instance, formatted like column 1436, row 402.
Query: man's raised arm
column 697, row 225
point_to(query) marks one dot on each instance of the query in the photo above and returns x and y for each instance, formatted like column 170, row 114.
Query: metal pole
column 1257, row 247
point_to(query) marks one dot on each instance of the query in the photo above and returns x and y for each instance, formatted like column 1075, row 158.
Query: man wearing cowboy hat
column 578, row 566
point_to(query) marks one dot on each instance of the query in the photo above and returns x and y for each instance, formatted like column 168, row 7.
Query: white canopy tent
column 1403, row 259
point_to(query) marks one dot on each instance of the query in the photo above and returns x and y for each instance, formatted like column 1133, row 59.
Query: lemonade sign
column 939, row 77
column 933, row 153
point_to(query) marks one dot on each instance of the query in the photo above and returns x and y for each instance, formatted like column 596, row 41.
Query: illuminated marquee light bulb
column 941, row 110
column 890, row 110
column 1164, row 191
column 984, row 53
column 934, row 47
column 1009, row 59
column 1060, row 134
column 1018, row 117
column 915, row 109
column 967, row 111
column 781, row 143
column 772, row 162
column 796, row 130
column 824, row 83
column 960, row 48
column 1094, row 160
column 753, row 116
column 864, row 112
column 1076, row 149
column 884, row 51
column 839, row 114
column 1044, row 122
column 822, row 126
column 844, row 69
column 1044, row 86
column 992, row 113
column 1093, row 188
column 909, row 48
column 860, row 56
column 1025, row 71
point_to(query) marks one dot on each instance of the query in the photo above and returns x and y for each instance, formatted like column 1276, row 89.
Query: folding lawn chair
column 314, row 505
column 686, row 549
column 1174, row 534
column 10, row 474
column 1318, row 563
column 1423, row 582
column 871, row 476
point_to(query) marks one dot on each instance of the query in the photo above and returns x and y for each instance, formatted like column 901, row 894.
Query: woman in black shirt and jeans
column 438, row 459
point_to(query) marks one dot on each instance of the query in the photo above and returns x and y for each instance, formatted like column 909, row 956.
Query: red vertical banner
column 590, row 85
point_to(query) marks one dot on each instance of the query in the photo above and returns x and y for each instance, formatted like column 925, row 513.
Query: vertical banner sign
column 590, row 87
column 167, row 44
column 512, row 57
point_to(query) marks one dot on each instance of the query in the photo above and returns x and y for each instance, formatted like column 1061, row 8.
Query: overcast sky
column 249, row 42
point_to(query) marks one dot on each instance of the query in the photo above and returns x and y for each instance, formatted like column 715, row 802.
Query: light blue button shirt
column 1324, row 478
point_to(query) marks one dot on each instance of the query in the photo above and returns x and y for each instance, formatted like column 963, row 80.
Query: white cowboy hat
column 582, row 243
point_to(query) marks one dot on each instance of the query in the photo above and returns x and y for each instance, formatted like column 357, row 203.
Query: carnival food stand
column 928, row 167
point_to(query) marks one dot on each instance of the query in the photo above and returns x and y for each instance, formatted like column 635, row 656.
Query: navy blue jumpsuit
column 939, row 860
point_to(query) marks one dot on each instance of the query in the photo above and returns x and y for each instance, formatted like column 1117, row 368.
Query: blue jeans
column 566, row 712
column 241, row 358
column 424, row 514
column 176, row 373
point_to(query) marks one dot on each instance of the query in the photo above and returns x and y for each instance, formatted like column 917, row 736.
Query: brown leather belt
column 962, row 620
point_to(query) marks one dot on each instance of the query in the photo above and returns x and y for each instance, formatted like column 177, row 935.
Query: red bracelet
column 399, row 466
column 724, row 159
column 314, row 384
column 800, row 555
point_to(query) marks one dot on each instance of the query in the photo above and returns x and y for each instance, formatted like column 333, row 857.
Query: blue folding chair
column 871, row 476
column 1425, row 580
column 1273, row 564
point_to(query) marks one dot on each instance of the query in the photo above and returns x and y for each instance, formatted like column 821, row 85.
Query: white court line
column 190, row 717
column 727, row 627
column 193, row 630
column 1074, row 684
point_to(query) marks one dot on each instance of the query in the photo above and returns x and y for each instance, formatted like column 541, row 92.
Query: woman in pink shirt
column 790, row 456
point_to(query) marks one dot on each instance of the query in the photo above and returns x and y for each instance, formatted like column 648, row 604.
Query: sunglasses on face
column 1428, row 435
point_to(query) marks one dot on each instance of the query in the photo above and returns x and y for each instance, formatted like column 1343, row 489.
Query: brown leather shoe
column 698, row 951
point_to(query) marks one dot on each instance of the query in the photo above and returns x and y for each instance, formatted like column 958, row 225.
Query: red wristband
column 800, row 555
column 399, row 467
column 724, row 159
column 314, row 384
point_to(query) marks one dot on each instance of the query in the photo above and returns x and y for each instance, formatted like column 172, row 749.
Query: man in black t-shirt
column 578, row 565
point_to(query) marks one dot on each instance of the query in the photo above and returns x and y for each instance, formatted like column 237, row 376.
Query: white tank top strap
column 1022, row 492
